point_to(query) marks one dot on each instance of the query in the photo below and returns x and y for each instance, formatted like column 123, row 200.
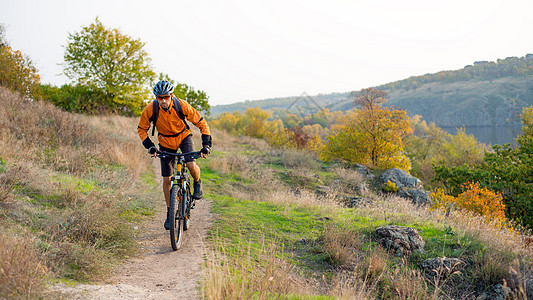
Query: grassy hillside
column 71, row 189
column 282, row 231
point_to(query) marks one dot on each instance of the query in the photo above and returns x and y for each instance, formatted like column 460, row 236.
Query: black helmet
column 163, row 87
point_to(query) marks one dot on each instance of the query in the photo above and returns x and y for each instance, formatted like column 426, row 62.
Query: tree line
column 480, row 70
column 463, row 172
column 110, row 72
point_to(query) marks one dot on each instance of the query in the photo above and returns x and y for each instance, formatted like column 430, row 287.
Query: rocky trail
column 158, row 272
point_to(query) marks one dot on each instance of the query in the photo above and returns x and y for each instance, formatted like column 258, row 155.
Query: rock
column 400, row 240
column 400, row 178
column 409, row 187
column 321, row 191
column 296, row 191
column 501, row 292
column 361, row 188
column 443, row 266
column 355, row 201
column 364, row 171
column 418, row 197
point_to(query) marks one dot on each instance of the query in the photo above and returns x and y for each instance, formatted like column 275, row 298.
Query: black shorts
column 168, row 164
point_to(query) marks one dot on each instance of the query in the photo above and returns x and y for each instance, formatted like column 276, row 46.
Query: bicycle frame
column 180, row 193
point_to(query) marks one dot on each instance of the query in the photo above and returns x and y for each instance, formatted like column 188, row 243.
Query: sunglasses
column 163, row 97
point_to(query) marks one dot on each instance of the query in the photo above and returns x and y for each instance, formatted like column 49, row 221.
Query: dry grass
column 267, row 277
column 363, row 270
column 342, row 245
column 231, row 163
column 299, row 159
column 70, row 179
column 21, row 271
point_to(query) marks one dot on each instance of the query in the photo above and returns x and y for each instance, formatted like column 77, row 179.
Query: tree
column 16, row 69
column 506, row 170
column 372, row 135
column 430, row 145
column 197, row 99
column 107, row 60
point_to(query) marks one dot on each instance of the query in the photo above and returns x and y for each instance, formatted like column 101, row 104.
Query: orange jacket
column 169, row 123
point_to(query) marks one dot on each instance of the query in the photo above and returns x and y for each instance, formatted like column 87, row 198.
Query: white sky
column 248, row 50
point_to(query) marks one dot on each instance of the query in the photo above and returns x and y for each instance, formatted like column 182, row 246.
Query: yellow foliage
column 390, row 186
column 371, row 136
column 475, row 199
column 17, row 71
column 442, row 201
column 315, row 144
column 527, row 121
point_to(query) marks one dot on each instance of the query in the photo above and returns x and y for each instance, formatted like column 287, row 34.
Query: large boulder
column 400, row 240
column 401, row 178
column 409, row 187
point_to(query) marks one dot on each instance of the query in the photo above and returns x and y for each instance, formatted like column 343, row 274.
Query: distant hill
column 482, row 94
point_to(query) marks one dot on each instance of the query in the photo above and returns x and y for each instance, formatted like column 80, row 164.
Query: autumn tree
column 372, row 135
column 107, row 60
column 17, row 71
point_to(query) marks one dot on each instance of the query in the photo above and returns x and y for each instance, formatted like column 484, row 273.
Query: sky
column 250, row 50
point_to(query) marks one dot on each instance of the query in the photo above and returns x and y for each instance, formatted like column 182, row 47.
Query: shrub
column 390, row 186
column 475, row 199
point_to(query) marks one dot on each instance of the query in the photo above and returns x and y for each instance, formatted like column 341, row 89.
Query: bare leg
column 194, row 170
column 166, row 189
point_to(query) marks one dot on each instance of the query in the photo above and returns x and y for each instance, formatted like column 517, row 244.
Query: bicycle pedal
column 193, row 204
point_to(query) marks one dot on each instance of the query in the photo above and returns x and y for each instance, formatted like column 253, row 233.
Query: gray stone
column 321, row 191
column 400, row 178
column 355, row 201
column 400, row 240
column 418, row 197
column 364, row 171
column 443, row 266
column 501, row 292
column 361, row 188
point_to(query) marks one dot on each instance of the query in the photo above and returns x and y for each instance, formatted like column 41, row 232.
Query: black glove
column 205, row 150
column 206, row 141
column 152, row 150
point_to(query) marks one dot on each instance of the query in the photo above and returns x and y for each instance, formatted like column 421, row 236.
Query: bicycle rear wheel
column 176, row 228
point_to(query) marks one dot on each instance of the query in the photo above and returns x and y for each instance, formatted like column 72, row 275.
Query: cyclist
column 173, row 133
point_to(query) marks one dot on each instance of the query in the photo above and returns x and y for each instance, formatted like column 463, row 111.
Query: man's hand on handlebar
column 205, row 151
column 153, row 151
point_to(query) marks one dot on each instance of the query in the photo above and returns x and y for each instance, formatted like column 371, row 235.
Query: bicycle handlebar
column 164, row 154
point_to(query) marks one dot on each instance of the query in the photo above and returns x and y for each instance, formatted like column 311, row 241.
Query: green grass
column 246, row 227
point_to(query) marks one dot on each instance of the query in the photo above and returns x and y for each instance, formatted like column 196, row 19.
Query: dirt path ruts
column 159, row 272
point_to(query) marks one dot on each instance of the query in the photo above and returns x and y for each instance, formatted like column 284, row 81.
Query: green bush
column 77, row 98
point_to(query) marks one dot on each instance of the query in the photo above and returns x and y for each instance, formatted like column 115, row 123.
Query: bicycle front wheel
column 176, row 228
column 187, row 208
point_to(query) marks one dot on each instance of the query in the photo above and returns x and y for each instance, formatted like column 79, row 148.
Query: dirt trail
column 159, row 272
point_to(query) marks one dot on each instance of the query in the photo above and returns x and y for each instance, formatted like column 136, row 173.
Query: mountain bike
column 181, row 200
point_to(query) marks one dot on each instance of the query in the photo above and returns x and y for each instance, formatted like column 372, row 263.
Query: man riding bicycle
column 168, row 114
